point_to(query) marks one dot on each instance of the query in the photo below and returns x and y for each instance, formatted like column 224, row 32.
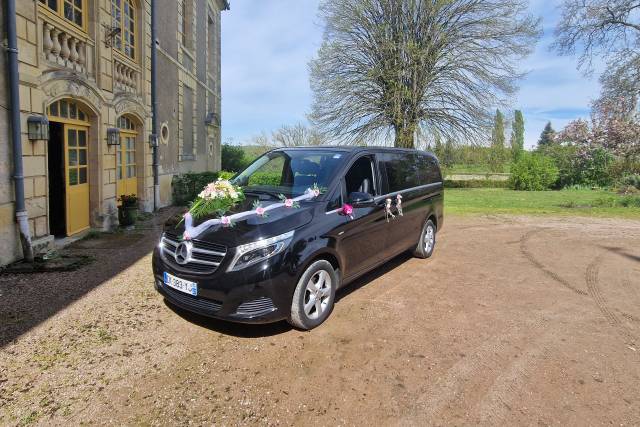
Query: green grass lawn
column 565, row 202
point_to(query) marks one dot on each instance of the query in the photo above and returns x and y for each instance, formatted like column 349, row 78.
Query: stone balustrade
column 64, row 49
column 125, row 76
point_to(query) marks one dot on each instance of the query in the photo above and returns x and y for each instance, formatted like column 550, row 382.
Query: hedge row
column 476, row 183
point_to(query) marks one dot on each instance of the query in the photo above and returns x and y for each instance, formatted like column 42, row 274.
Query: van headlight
column 255, row 252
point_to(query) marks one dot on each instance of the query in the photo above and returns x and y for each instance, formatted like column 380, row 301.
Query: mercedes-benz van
column 373, row 204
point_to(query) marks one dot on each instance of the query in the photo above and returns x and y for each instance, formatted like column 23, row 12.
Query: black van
column 374, row 204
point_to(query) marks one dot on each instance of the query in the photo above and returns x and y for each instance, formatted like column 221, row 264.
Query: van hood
column 250, row 229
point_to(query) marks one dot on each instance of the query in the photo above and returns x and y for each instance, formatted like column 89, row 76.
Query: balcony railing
column 63, row 48
column 125, row 76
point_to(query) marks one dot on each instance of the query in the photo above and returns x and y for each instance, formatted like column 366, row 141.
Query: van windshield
column 290, row 172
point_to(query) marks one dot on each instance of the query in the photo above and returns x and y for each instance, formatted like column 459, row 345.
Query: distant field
column 479, row 169
column 564, row 202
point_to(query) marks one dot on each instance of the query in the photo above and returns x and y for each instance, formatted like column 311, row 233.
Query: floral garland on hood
column 191, row 232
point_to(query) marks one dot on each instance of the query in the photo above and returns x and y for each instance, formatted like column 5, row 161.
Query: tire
column 427, row 242
column 305, row 315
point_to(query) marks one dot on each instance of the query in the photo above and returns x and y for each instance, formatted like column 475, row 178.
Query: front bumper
column 254, row 295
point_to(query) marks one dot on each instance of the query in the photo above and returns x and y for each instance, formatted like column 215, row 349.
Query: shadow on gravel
column 239, row 330
column 26, row 300
column 373, row 275
column 622, row 252
column 260, row 331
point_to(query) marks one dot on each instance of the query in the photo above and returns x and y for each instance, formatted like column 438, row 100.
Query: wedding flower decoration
column 289, row 203
column 216, row 198
column 220, row 196
column 260, row 210
column 387, row 210
column 347, row 210
column 399, row 204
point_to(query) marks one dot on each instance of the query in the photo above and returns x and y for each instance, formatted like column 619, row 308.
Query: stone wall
column 59, row 60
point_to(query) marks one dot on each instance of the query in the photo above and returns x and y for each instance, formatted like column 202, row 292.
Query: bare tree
column 608, row 29
column 297, row 135
column 396, row 67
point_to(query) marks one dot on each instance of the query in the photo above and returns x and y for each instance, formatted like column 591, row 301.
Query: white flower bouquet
column 217, row 198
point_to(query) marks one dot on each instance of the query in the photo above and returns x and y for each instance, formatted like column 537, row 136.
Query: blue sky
column 267, row 44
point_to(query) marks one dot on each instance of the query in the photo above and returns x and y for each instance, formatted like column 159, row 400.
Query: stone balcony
column 126, row 75
column 64, row 46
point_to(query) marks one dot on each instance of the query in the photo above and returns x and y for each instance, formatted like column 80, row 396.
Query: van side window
column 401, row 171
column 428, row 169
column 360, row 177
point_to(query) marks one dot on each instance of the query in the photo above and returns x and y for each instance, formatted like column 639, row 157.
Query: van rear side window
column 400, row 170
column 407, row 170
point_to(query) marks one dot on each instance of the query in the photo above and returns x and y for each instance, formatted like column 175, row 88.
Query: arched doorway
column 126, row 165
column 68, row 164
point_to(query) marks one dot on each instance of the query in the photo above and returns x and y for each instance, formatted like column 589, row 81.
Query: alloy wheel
column 317, row 294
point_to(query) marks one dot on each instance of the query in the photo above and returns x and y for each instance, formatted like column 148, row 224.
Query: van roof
column 353, row 149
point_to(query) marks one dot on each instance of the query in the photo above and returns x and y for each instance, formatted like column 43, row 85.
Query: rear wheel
column 313, row 298
column 427, row 242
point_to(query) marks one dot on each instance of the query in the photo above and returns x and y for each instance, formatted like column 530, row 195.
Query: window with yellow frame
column 67, row 109
column 73, row 11
column 124, row 15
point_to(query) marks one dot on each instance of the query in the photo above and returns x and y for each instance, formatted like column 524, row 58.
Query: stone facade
column 87, row 63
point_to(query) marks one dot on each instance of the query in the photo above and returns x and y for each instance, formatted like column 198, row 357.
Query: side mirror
column 361, row 200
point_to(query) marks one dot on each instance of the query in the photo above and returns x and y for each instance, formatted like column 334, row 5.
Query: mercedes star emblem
column 183, row 253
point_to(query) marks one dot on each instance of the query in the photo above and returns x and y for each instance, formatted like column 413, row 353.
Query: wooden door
column 76, row 144
column 126, row 176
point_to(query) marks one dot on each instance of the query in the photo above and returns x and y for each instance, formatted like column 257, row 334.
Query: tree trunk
column 405, row 135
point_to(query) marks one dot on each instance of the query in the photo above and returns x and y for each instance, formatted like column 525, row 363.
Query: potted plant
column 128, row 210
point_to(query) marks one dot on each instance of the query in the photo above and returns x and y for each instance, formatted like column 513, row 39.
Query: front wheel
column 313, row 298
column 427, row 242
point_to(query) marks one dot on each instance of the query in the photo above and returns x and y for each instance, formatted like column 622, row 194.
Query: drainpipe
column 154, row 105
column 22, row 216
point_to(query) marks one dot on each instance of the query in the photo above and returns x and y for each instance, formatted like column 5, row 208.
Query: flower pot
column 127, row 215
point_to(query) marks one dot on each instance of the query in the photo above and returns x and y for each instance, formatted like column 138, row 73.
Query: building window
column 123, row 13
column 185, row 16
column 71, row 10
column 126, row 152
column 67, row 109
column 187, row 124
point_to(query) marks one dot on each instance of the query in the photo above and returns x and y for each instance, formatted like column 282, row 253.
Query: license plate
column 181, row 285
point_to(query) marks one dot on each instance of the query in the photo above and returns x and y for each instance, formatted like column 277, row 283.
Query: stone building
column 86, row 65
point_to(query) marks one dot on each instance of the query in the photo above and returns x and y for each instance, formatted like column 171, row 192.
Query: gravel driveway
column 515, row 320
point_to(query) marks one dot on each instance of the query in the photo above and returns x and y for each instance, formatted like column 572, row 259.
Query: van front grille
column 189, row 301
column 205, row 257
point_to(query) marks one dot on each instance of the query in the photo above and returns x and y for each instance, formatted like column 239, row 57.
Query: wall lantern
column 153, row 140
column 38, row 128
column 212, row 119
column 113, row 137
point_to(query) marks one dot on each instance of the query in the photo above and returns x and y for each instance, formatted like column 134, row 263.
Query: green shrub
column 533, row 172
column 475, row 183
column 233, row 158
column 186, row 187
column 631, row 181
column 225, row 174
column 265, row 178
column 589, row 167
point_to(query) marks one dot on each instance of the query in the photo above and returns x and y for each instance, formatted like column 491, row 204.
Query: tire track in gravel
column 504, row 391
column 486, row 361
column 592, row 278
column 533, row 260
